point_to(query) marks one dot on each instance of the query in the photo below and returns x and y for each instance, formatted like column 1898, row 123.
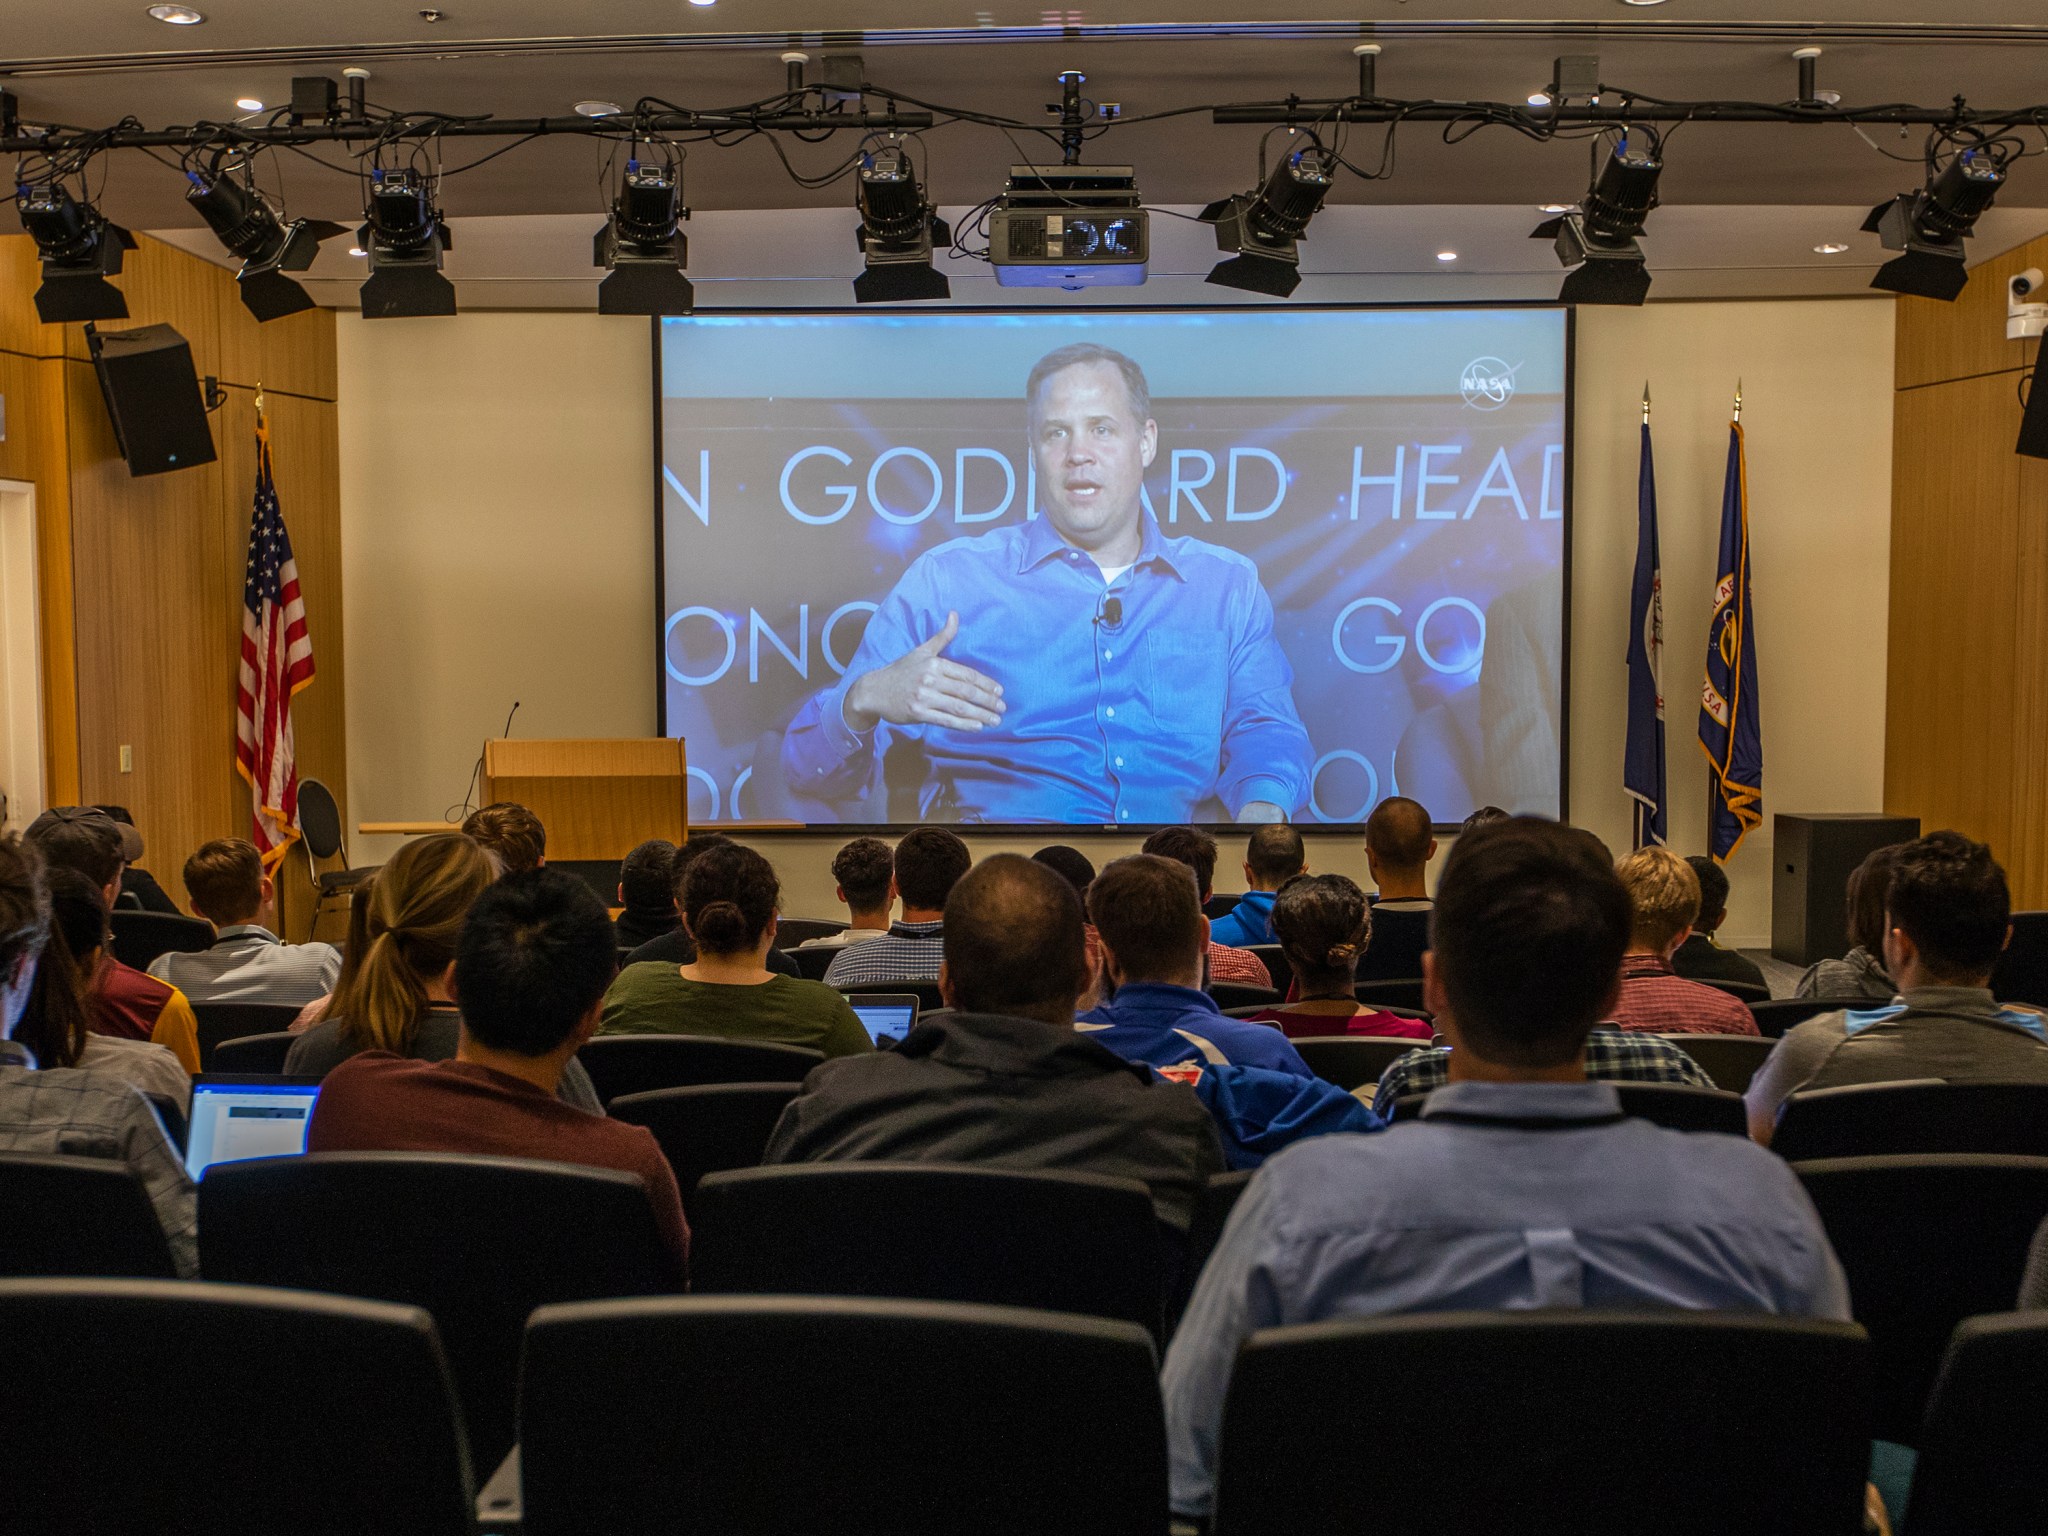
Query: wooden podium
column 596, row 798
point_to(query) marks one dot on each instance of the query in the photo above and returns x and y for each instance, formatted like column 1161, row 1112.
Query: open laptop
column 234, row 1117
column 887, row 1016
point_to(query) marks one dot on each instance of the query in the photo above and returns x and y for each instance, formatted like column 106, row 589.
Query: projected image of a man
column 1082, row 667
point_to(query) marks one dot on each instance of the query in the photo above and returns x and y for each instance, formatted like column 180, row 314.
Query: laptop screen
column 885, row 1018
column 234, row 1120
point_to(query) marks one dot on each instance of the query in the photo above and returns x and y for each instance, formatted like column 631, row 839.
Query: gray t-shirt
column 1857, row 974
column 323, row 1048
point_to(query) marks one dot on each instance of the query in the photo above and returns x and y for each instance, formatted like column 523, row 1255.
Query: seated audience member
column 1700, row 958
column 226, row 884
column 676, row 947
column 138, row 885
column 352, row 952
column 928, row 863
column 1069, row 863
column 865, row 870
column 1485, row 816
column 57, row 1026
column 729, row 902
column 1003, row 1080
column 1861, row 972
column 1324, row 924
column 1948, row 915
column 1150, row 923
column 1197, row 850
column 119, row 1000
column 74, row 1110
column 1273, row 856
column 509, row 833
column 1523, row 1186
column 1400, row 840
column 530, row 971
column 1665, row 897
column 647, row 892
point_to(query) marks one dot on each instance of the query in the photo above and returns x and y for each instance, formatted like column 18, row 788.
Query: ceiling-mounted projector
column 1069, row 226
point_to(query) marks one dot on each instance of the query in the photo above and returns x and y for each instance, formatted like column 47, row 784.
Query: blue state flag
column 1642, row 764
column 1731, row 733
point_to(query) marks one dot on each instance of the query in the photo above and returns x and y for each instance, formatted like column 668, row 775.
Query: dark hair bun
column 729, row 895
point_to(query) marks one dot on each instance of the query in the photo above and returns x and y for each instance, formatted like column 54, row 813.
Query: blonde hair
column 417, row 907
column 1663, row 895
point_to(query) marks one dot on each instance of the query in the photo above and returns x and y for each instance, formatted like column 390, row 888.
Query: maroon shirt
column 1296, row 1024
column 123, row 1001
column 378, row 1102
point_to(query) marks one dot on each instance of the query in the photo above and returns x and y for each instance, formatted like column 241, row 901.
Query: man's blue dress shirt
column 1452, row 1213
column 1188, row 697
column 1161, row 1025
column 1249, row 922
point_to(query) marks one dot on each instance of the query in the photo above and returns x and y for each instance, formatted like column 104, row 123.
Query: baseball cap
column 131, row 840
column 88, row 818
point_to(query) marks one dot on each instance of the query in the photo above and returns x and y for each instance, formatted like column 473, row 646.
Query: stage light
column 1928, row 227
column 1598, row 238
column 405, row 238
column 644, row 246
column 897, row 233
column 79, row 249
column 269, row 247
column 1263, row 227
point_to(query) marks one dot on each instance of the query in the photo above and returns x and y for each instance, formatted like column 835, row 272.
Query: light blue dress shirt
column 1186, row 698
column 1451, row 1213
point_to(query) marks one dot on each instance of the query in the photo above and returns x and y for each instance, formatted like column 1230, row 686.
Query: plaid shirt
column 1611, row 1056
column 83, row 1113
column 907, row 952
column 1237, row 965
column 1656, row 1001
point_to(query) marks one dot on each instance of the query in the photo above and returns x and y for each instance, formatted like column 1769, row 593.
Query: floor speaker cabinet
column 153, row 395
column 1810, row 880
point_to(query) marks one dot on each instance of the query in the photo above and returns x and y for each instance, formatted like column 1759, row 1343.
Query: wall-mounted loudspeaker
column 153, row 395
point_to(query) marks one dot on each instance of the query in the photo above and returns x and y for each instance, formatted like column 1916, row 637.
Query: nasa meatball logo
column 1487, row 383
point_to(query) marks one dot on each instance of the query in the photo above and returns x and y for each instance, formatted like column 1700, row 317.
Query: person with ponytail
column 729, row 901
column 1324, row 924
column 400, row 996
column 57, row 1025
column 73, row 1110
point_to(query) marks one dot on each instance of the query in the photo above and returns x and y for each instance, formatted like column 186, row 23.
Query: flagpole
column 1713, row 785
column 1642, row 814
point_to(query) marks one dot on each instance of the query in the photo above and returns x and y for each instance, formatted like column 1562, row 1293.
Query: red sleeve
column 666, row 1198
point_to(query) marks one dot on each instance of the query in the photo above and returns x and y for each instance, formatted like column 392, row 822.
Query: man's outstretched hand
column 923, row 688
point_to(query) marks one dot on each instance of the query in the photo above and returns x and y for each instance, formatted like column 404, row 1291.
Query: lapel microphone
column 1112, row 612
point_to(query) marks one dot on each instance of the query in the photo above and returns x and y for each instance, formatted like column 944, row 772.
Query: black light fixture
column 79, row 249
column 404, row 239
column 269, row 247
column 1928, row 227
column 1598, row 238
column 897, row 232
column 1263, row 227
column 644, row 246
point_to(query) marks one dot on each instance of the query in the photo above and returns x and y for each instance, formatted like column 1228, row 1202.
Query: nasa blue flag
column 1642, row 764
column 1730, row 730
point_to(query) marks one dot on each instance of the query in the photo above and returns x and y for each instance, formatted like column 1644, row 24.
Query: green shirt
column 655, row 998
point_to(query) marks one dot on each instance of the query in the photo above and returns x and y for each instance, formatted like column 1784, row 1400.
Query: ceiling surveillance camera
column 2026, row 305
column 2026, row 282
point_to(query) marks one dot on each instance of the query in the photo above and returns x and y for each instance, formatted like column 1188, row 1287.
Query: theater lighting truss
column 1263, row 227
column 78, row 247
column 405, row 238
column 643, row 243
column 225, row 194
column 1597, row 239
column 897, row 231
column 1965, row 169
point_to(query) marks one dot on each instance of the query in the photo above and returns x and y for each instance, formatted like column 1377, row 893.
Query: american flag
column 277, row 661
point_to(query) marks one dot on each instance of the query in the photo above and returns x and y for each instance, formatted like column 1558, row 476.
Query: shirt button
column 1125, row 815
column 1109, row 655
column 1119, row 762
column 1111, row 711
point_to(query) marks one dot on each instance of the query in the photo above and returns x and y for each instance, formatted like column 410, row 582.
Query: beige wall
column 497, row 526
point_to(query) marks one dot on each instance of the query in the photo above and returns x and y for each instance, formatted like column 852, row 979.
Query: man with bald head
column 1003, row 1080
column 1400, row 840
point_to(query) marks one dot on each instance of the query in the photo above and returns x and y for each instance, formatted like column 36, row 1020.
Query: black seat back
column 1926, row 1242
column 158, row 1405
column 2021, row 975
column 1067, row 1242
column 253, row 1055
column 1747, row 991
column 1352, row 1061
column 792, row 931
column 237, row 1021
column 478, row 1241
column 139, row 937
column 811, row 964
column 1736, row 1423
column 1915, row 1117
column 62, row 1215
column 319, row 819
column 1779, row 1014
column 1397, row 992
column 708, row 1128
column 1730, row 1060
column 931, row 1419
column 1237, row 994
column 1983, row 1465
column 623, row 1064
column 1278, row 966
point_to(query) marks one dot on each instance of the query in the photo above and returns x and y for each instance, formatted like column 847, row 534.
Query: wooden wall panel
column 20, row 274
column 1938, row 341
column 165, row 286
column 2028, row 861
column 294, row 355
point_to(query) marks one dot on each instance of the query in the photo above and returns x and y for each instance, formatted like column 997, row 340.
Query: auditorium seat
column 237, row 1021
column 1747, row 991
column 139, row 937
column 253, row 1055
column 1237, row 994
column 478, row 1241
column 1983, row 1463
column 1400, row 992
column 708, row 1128
column 792, row 931
column 1213, row 1206
column 1351, row 1061
column 64, row 1215
column 1914, row 1117
column 176, row 1407
column 1730, row 1060
column 785, row 1416
column 1278, row 966
column 811, row 964
column 623, row 1064
column 1596, row 1423
column 170, row 1114
column 2021, row 975
column 1070, row 1242
column 1216, row 908
column 1773, row 1018
column 926, row 992
column 1926, row 1242
column 1675, row 1106
column 320, row 823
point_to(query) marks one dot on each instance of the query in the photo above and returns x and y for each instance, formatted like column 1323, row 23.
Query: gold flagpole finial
column 1738, row 401
column 259, row 399
column 1646, row 402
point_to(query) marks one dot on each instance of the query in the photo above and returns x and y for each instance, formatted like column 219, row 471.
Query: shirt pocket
column 1187, row 683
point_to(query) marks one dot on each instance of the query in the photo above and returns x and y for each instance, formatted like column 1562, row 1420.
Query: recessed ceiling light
column 357, row 250
column 1446, row 255
column 1642, row 2
column 1539, row 98
column 1553, row 207
column 703, row 2
column 176, row 15
column 248, row 104
column 597, row 108
column 1830, row 248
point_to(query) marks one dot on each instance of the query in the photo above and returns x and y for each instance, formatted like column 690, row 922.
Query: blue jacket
column 1163, row 1025
column 1249, row 922
column 1258, row 1112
